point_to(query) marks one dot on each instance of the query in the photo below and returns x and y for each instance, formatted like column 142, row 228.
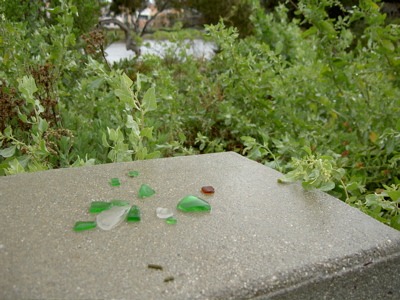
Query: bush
column 320, row 104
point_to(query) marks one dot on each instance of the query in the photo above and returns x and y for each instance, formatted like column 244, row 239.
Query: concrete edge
column 352, row 267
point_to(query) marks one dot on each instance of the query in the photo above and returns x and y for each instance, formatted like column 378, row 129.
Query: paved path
column 198, row 48
column 261, row 240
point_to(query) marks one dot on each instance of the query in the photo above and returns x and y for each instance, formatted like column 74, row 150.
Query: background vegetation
column 315, row 97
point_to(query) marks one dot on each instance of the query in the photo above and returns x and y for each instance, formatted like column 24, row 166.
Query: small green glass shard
column 115, row 182
column 116, row 202
column 84, row 225
column 192, row 203
column 133, row 173
column 145, row 191
column 99, row 206
column 171, row 220
column 133, row 214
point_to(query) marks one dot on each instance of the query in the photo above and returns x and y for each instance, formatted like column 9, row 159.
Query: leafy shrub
column 320, row 103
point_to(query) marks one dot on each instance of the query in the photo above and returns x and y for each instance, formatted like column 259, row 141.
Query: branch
column 163, row 7
column 130, row 44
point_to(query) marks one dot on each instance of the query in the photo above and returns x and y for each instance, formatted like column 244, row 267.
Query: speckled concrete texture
column 261, row 240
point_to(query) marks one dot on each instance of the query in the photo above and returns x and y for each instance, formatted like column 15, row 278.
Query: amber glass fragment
column 207, row 189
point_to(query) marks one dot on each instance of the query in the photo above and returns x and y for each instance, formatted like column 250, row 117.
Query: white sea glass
column 164, row 213
column 112, row 217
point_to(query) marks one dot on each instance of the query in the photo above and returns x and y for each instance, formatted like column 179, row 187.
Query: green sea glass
column 171, row 220
column 116, row 202
column 145, row 191
column 84, row 225
column 99, row 206
column 115, row 182
column 133, row 173
column 192, row 203
column 133, row 214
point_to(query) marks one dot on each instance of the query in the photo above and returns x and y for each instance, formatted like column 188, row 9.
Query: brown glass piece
column 207, row 189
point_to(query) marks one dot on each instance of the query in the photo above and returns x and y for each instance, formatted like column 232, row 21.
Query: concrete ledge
column 262, row 240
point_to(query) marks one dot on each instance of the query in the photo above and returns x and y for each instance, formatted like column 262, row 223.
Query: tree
column 234, row 12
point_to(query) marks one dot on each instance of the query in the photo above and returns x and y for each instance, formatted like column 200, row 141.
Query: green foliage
column 22, row 11
column 314, row 171
column 313, row 97
column 134, row 140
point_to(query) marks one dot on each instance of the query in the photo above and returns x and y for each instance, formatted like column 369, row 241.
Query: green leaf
column 132, row 124
column 147, row 132
column 70, row 40
column 112, row 134
column 388, row 45
column 22, row 117
column 43, row 125
column 104, row 140
column 8, row 131
column 394, row 195
column 327, row 28
column 8, row 152
column 124, row 92
column 27, row 87
column 311, row 31
column 141, row 153
column 330, row 185
column 182, row 137
column 307, row 149
column 152, row 155
column 14, row 167
column 139, row 82
column 352, row 186
column 292, row 176
column 149, row 100
column 306, row 185
column 395, row 222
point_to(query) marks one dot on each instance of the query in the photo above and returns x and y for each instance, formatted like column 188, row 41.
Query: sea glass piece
column 84, row 225
column 115, row 182
column 146, row 191
column 133, row 173
column 207, row 189
column 192, row 203
column 164, row 213
column 99, row 206
column 117, row 202
column 133, row 214
column 111, row 218
column 171, row 220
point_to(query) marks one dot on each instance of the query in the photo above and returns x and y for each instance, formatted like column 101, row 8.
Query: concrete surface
column 262, row 240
